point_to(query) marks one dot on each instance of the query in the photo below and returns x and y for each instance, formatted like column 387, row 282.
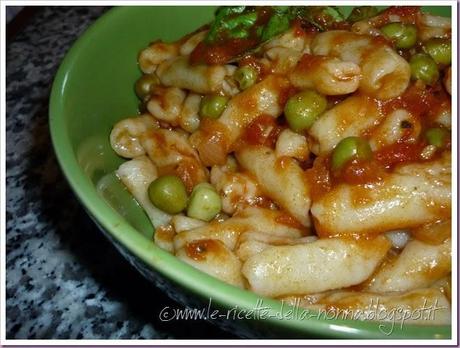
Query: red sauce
column 220, row 53
column 191, row 173
column 419, row 101
column 262, row 131
column 319, row 178
column 357, row 172
column 397, row 153
column 165, row 233
column 407, row 14
column 198, row 250
column 297, row 29
column 282, row 163
column 225, row 48
column 309, row 62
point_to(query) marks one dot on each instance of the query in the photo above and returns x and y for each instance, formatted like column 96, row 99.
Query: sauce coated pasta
column 302, row 155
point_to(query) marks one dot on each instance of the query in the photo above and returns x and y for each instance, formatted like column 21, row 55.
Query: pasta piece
column 189, row 119
column 250, row 248
column 189, row 45
column 444, row 116
column 328, row 75
column 237, row 190
column 214, row 139
column 385, row 74
column 281, row 179
column 369, row 25
column 202, row 79
column 414, row 194
column 349, row 47
column 252, row 243
column 272, row 239
column 183, row 223
column 430, row 26
column 214, row 258
column 166, row 104
column 396, row 126
column 137, row 174
column 171, row 152
column 282, row 60
column 418, row 266
column 421, row 306
column 292, row 144
column 313, row 267
column 251, row 219
column 434, row 233
column 155, row 54
column 350, row 117
column 126, row 135
column 297, row 40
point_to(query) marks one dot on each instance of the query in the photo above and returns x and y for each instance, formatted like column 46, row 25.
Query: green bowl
column 91, row 92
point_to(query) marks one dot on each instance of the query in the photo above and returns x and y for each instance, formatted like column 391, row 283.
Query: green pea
column 144, row 85
column 403, row 35
column 168, row 194
column 440, row 50
column 436, row 136
column 303, row 109
column 246, row 76
column 204, row 203
column 350, row 148
column 424, row 68
column 212, row 106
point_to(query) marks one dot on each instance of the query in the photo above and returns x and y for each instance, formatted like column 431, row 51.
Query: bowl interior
column 92, row 91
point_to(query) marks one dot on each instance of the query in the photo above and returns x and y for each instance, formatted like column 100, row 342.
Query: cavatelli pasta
column 309, row 161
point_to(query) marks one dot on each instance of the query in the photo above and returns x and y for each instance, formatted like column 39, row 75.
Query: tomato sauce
column 309, row 62
column 407, row 15
column 319, row 178
column 397, row 153
column 199, row 250
column 225, row 48
column 420, row 101
column 221, row 52
column 357, row 172
column 264, row 130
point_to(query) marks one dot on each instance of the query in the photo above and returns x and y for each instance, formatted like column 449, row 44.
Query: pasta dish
column 302, row 154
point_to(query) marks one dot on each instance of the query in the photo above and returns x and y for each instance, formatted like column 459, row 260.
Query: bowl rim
column 195, row 281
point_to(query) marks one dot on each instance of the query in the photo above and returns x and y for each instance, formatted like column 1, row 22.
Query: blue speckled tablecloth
column 64, row 279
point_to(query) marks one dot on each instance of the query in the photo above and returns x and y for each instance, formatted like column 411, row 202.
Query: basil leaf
column 276, row 25
column 245, row 20
column 220, row 15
